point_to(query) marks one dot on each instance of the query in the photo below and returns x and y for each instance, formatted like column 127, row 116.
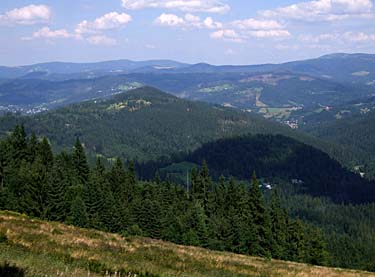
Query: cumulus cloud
column 241, row 30
column 167, row 19
column 192, row 18
column 188, row 21
column 209, row 23
column 256, row 24
column 108, row 21
column 269, row 34
column 358, row 37
column 101, row 40
column 46, row 32
column 324, row 10
column 27, row 15
column 343, row 38
column 207, row 6
column 228, row 35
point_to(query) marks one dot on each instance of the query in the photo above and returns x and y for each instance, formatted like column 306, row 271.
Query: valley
column 178, row 144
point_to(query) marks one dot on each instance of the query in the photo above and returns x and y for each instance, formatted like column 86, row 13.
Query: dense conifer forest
column 223, row 216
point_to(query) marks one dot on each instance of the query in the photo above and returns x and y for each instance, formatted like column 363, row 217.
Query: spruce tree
column 58, row 183
column 261, row 243
column 78, row 213
column 278, row 227
column 80, row 163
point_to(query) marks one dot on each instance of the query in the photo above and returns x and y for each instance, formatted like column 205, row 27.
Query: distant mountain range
column 358, row 68
column 277, row 91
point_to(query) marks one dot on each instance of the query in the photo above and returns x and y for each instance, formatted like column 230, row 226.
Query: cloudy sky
column 213, row 31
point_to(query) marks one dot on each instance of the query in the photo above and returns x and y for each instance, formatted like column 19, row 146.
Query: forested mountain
column 276, row 94
column 27, row 95
column 275, row 91
column 225, row 216
column 147, row 124
column 277, row 157
column 354, row 129
column 358, row 68
column 87, row 70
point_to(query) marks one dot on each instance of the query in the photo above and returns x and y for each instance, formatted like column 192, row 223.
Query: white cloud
column 342, row 38
column 241, row 30
column 209, row 23
column 167, row 19
column 256, row 24
column 108, row 21
column 269, row 34
column 227, row 34
column 189, row 21
column 192, row 18
column 101, row 40
column 318, row 38
column 27, row 15
column 358, row 37
column 324, row 10
column 46, row 32
column 207, row 6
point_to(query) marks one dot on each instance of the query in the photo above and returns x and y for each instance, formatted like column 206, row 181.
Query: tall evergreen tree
column 59, row 182
column 261, row 243
column 80, row 163
column 278, row 227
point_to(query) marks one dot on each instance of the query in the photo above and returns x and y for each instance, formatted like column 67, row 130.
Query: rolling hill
column 277, row 157
column 146, row 124
column 41, row 247
column 351, row 126
column 274, row 94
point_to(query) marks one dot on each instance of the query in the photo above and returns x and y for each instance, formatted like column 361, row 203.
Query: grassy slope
column 50, row 248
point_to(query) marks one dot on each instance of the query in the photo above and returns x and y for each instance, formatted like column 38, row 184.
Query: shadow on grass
column 7, row 270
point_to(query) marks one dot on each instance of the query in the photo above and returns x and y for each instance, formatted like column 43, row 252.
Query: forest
column 220, row 214
column 223, row 216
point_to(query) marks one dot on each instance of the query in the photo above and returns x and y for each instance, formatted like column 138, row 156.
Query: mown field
column 53, row 249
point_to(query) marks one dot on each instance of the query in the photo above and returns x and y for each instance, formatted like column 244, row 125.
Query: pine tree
column 197, row 186
column 58, row 183
column 78, row 214
column 80, row 163
column 259, row 214
column 44, row 151
column 131, row 181
column 18, row 145
column 35, row 192
column 278, row 227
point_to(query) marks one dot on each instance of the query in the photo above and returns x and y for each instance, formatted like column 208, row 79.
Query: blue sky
column 213, row 31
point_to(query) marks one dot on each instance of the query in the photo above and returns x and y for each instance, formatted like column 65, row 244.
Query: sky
column 192, row 31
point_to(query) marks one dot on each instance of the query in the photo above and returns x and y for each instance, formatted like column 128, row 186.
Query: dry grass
column 50, row 248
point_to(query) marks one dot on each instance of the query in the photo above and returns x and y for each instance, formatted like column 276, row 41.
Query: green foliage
column 280, row 157
column 222, row 216
column 169, row 125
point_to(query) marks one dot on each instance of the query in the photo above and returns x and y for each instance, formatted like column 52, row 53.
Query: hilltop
column 145, row 124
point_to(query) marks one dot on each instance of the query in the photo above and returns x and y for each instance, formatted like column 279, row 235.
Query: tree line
column 222, row 216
